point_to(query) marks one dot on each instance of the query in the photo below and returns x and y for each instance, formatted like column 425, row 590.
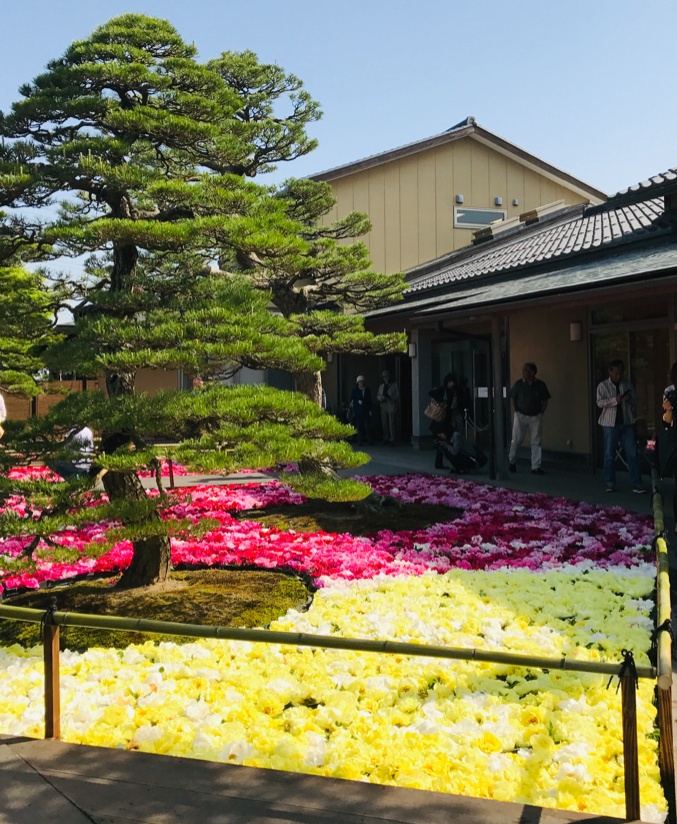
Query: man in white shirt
column 617, row 399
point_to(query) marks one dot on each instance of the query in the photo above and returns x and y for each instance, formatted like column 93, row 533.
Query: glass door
column 470, row 359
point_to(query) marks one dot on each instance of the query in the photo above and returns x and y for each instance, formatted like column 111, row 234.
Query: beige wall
column 153, row 381
column 20, row 409
column 148, row 380
column 411, row 201
column 564, row 368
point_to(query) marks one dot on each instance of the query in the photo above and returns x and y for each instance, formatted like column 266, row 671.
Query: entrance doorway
column 470, row 359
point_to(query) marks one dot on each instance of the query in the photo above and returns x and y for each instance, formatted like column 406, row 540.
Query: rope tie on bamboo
column 48, row 617
column 627, row 667
column 666, row 626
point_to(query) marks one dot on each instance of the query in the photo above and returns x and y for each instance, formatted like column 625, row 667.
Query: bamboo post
column 628, row 681
column 52, row 686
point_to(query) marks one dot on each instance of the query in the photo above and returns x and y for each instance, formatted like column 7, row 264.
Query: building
column 427, row 200
column 566, row 286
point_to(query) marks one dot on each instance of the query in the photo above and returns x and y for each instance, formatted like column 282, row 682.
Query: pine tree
column 145, row 152
column 325, row 285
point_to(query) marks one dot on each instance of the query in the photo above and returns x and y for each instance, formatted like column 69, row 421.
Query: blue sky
column 587, row 85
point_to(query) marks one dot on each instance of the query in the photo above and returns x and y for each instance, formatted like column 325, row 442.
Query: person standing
column 617, row 399
column 669, row 422
column 361, row 407
column 530, row 398
column 388, row 396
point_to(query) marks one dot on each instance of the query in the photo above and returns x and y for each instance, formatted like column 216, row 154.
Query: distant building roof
column 466, row 128
column 551, row 250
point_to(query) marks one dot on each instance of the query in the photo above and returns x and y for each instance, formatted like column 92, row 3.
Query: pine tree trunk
column 151, row 561
column 311, row 466
column 310, row 384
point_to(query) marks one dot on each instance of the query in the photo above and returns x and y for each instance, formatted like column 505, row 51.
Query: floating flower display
column 512, row 572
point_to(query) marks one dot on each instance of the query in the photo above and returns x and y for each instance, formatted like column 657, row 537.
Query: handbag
column 667, row 451
column 436, row 411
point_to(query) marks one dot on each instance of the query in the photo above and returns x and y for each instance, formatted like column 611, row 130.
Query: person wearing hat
column 359, row 409
column 388, row 397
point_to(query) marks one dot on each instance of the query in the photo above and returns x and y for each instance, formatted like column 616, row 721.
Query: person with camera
column 617, row 399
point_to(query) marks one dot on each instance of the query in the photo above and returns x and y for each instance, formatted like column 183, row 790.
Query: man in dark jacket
column 360, row 410
column 530, row 398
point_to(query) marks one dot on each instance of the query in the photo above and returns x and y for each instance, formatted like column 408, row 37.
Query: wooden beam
column 52, row 686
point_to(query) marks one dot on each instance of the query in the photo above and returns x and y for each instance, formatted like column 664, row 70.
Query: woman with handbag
column 667, row 440
column 442, row 405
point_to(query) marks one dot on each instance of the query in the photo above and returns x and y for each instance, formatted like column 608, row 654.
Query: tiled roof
column 651, row 187
column 571, row 276
column 583, row 274
column 573, row 231
column 656, row 186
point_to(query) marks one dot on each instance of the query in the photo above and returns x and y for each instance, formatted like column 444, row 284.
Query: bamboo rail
column 302, row 639
column 666, row 756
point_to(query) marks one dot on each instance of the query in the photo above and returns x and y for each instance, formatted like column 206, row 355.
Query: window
column 476, row 218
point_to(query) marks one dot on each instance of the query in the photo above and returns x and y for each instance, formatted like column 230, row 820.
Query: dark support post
column 170, row 464
column 497, row 400
column 630, row 757
column 666, row 756
column 52, row 688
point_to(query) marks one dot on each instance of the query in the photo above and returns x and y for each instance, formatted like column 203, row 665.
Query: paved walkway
column 48, row 781
column 53, row 783
column 580, row 486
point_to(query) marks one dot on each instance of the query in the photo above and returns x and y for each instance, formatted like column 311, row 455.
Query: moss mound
column 340, row 517
column 237, row 598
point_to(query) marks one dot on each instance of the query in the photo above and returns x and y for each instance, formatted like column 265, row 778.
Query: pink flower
column 495, row 529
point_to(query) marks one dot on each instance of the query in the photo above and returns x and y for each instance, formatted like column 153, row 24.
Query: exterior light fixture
column 515, row 201
column 459, row 198
column 411, row 350
column 498, row 201
column 575, row 332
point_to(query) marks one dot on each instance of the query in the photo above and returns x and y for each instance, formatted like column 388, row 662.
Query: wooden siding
column 148, row 380
column 410, row 201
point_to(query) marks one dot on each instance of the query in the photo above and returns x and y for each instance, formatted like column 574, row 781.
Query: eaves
column 654, row 261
